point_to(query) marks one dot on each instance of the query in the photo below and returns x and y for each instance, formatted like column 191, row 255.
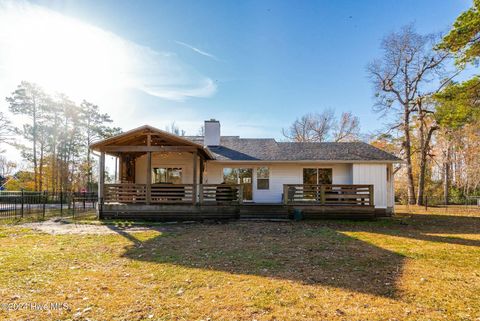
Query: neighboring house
column 165, row 176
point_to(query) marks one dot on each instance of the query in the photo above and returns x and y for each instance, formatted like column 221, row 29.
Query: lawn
column 412, row 267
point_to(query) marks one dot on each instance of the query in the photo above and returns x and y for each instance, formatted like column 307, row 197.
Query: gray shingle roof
column 267, row 149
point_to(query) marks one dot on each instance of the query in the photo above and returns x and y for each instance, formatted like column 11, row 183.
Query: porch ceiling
column 148, row 139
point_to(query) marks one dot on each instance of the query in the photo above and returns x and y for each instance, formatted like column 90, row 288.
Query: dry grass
column 413, row 267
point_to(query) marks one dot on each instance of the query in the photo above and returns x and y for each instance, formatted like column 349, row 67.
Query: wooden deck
column 180, row 213
column 179, row 202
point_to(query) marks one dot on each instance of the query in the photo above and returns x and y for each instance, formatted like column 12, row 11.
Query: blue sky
column 269, row 62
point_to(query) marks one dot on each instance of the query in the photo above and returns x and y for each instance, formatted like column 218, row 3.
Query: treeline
column 434, row 119
column 56, row 134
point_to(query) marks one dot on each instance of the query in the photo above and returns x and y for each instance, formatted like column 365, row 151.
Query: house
column 168, row 177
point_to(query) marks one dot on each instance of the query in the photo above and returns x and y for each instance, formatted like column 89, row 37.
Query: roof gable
column 147, row 135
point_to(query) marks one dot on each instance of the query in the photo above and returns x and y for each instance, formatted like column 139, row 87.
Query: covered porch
column 156, row 172
column 155, row 167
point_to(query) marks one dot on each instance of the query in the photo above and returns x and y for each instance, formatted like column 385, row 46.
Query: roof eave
column 307, row 161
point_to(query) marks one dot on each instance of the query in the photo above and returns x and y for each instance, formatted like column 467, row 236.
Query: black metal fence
column 469, row 204
column 39, row 205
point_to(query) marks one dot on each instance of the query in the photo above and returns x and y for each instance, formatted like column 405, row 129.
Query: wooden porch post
column 120, row 168
column 200, row 187
column 322, row 195
column 371, row 199
column 116, row 169
column 194, row 189
column 101, row 176
column 148, row 188
column 202, row 168
column 101, row 185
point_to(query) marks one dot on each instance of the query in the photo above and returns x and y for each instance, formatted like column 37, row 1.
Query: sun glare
column 60, row 53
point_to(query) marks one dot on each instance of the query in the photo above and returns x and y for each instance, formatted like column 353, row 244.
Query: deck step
column 263, row 211
column 262, row 218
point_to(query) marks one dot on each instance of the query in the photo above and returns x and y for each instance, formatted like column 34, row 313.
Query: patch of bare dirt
column 58, row 226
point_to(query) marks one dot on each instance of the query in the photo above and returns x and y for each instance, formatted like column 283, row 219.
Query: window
column 163, row 175
column 310, row 176
column 263, row 178
column 313, row 176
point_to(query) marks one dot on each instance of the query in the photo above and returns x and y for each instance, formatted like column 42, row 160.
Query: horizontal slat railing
column 172, row 193
column 125, row 193
column 220, row 194
column 328, row 194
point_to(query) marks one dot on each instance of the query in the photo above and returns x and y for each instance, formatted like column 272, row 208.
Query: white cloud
column 199, row 51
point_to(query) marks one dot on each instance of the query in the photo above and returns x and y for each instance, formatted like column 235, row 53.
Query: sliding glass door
column 313, row 176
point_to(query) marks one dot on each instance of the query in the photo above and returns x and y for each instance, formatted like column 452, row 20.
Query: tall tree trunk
column 424, row 149
column 89, row 167
column 40, row 170
column 446, row 174
column 34, row 138
column 408, row 153
column 53, row 165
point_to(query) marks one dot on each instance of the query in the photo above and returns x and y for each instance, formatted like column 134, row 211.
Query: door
column 242, row 176
column 313, row 176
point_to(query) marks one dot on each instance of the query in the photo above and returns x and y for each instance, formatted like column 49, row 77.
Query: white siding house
column 282, row 173
column 153, row 163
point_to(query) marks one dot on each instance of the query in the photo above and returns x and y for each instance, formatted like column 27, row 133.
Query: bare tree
column 313, row 127
column 347, row 128
column 402, row 79
column 174, row 129
column 5, row 128
column 6, row 167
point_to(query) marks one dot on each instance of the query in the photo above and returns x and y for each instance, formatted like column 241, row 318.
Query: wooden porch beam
column 149, row 148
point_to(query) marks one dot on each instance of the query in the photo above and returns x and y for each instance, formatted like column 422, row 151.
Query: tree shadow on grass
column 313, row 255
column 312, row 252
column 428, row 227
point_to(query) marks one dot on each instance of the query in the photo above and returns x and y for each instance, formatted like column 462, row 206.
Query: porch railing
column 293, row 194
column 125, row 193
column 173, row 194
column 220, row 194
column 323, row 194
